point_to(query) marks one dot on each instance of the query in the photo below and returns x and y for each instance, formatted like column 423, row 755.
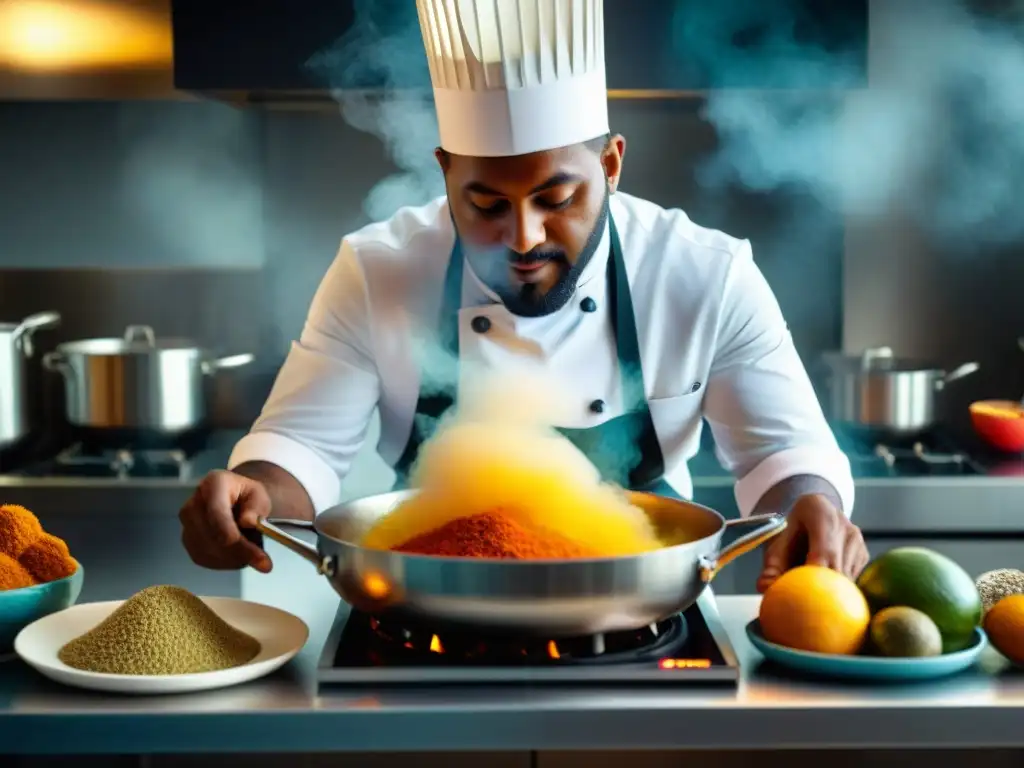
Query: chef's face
column 530, row 224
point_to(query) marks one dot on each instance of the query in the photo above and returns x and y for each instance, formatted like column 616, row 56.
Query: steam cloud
column 384, row 46
column 937, row 135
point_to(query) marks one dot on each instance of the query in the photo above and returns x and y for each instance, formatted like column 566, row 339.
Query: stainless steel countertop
column 770, row 709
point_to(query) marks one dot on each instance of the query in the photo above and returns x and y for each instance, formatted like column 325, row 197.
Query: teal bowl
column 869, row 667
column 20, row 607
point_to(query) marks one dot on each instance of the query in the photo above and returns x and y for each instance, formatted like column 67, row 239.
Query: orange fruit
column 813, row 608
column 1000, row 409
column 1004, row 624
column 1000, row 422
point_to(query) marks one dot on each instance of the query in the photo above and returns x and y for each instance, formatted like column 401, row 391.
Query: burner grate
column 122, row 463
column 691, row 649
column 424, row 646
column 880, row 455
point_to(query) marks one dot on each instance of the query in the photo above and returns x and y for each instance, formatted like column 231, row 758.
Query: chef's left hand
column 814, row 526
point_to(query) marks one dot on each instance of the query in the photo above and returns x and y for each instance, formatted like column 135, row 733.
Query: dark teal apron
column 631, row 434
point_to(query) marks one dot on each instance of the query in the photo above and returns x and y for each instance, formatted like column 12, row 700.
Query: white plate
column 281, row 636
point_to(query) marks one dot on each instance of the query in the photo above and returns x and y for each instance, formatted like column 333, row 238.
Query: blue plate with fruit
column 912, row 614
column 869, row 667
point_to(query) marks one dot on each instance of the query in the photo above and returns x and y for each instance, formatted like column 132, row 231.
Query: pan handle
column 210, row 367
column 957, row 373
column 270, row 528
column 773, row 525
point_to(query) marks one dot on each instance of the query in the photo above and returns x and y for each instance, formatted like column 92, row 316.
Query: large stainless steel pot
column 136, row 382
column 879, row 392
column 15, row 348
column 552, row 598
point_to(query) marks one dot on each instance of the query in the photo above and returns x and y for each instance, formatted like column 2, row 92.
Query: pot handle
column 957, row 373
column 136, row 333
column 55, row 361
column 710, row 565
column 874, row 353
column 234, row 361
column 31, row 324
column 269, row 527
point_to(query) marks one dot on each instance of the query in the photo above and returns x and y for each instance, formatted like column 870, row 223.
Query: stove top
column 123, row 455
column 931, row 454
column 687, row 649
column 121, row 463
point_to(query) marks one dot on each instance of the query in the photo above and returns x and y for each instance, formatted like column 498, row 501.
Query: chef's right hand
column 213, row 518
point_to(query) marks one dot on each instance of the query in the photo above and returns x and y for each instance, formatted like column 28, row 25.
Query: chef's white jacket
column 713, row 344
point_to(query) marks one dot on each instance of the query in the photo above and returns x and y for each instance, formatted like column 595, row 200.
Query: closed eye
column 501, row 207
column 495, row 209
column 555, row 206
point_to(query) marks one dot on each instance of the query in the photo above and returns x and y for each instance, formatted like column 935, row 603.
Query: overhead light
column 48, row 35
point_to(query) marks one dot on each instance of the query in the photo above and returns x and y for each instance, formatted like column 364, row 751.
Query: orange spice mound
column 28, row 554
column 48, row 559
column 13, row 574
column 18, row 529
column 493, row 535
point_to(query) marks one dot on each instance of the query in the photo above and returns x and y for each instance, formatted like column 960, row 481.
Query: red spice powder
column 494, row 535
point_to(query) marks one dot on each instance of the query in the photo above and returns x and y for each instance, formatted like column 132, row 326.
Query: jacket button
column 481, row 324
column 588, row 305
column 597, row 406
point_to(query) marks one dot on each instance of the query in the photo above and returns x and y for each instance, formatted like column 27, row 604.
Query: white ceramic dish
column 281, row 636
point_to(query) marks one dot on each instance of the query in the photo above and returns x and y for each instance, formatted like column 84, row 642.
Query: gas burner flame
column 469, row 647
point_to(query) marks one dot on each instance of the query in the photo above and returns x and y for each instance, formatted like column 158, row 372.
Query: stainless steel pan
column 553, row 598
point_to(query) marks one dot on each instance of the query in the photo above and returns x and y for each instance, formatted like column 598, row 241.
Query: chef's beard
column 526, row 299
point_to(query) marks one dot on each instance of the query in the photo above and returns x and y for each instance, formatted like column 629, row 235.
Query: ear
column 611, row 160
column 443, row 159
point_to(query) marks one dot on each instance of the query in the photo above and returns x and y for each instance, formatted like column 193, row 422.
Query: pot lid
column 880, row 359
column 137, row 340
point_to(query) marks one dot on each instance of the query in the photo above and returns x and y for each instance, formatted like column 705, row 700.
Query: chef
column 655, row 322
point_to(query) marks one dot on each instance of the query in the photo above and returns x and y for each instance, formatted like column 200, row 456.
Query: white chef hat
column 515, row 76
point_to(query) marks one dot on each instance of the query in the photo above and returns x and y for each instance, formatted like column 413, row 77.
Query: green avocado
column 921, row 578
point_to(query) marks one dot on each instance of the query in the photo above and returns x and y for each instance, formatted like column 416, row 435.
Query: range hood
column 295, row 53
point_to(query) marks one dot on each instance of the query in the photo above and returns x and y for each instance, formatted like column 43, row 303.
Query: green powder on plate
column 161, row 630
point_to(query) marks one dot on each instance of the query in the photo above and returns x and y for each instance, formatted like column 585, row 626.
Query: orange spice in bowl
column 48, row 559
column 40, row 579
column 28, row 554
column 18, row 529
column 13, row 575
